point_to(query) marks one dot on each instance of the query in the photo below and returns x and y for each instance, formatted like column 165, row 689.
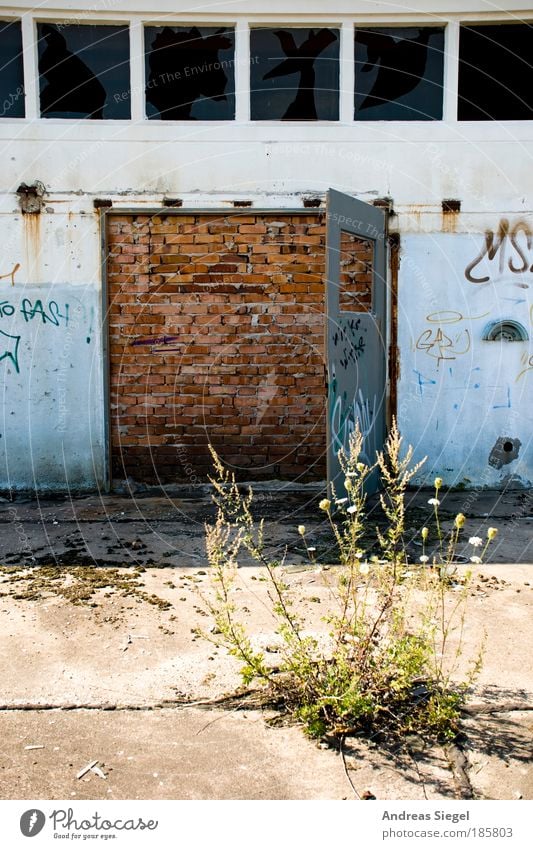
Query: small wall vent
column 505, row 330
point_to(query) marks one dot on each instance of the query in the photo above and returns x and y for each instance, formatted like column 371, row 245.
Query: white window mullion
column 31, row 68
column 347, row 73
column 137, row 82
column 451, row 71
column 242, row 72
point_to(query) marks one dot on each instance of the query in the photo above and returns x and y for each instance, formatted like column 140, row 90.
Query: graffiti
column 506, row 404
column 11, row 274
column 10, row 348
column 6, row 309
column 511, row 246
column 527, row 362
column 451, row 317
column 423, row 381
column 151, row 341
column 49, row 314
column 344, row 418
column 440, row 346
column 352, row 348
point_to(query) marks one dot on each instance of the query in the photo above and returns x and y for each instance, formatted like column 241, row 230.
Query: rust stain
column 450, row 215
column 415, row 212
column 449, row 222
column 394, row 354
column 32, row 242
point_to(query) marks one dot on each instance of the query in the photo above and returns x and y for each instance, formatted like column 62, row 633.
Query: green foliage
column 394, row 635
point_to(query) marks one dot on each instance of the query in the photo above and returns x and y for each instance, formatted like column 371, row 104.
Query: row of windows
column 294, row 72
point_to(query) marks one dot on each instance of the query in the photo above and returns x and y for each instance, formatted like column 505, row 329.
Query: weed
column 389, row 660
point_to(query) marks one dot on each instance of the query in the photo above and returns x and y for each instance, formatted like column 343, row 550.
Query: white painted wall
column 53, row 430
column 457, row 393
column 52, row 423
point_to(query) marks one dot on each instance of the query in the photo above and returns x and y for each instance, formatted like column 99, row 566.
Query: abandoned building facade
column 255, row 225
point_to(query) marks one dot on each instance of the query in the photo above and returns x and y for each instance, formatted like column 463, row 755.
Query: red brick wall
column 217, row 335
column 355, row 279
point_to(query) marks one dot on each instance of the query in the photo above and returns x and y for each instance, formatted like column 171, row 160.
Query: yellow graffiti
column 11, row 274
column 528, row 363
column 438, row 345
column 452, row 317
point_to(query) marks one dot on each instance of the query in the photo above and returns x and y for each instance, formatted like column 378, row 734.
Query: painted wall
column 463, row 401
column 51, row 425
column 457, row 395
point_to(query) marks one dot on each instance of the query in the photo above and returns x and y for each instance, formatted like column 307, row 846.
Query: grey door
column 356, row 329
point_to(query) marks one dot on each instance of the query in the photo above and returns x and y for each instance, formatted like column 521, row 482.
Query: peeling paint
column 505, row 450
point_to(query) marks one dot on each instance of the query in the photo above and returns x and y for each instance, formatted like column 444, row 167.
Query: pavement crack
column 459, row 767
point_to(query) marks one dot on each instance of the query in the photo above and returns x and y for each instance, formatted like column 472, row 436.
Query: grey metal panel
column 356, row 341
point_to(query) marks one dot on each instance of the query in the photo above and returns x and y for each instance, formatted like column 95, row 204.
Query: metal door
column 356, row 329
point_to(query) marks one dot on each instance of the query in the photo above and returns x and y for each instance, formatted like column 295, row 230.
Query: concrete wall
column 52, row 425
column 463, row 401
column 452, row 407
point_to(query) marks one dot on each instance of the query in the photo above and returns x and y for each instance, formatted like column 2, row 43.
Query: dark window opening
column 84, row 71
column 496, row 73
column 11, row 71
column 294, row 74
column 190, row 73
column 399, row 74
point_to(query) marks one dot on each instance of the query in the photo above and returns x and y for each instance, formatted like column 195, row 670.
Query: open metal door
column 356, row 329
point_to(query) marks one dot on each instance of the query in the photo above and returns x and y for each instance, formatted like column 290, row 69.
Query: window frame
column 136, row 22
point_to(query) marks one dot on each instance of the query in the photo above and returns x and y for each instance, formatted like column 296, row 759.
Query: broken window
column 190, row 73
column 11, row 71
column 495, row 73
column 294, row 74
column 399, row 74
column 84, row 71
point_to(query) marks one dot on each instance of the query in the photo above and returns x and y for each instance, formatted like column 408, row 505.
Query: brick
column 211, row 277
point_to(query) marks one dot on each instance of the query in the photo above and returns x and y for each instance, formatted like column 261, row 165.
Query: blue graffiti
column 423, row 381
column 48, row 315
column 10, row 349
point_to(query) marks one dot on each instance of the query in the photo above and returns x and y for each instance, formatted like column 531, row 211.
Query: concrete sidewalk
column 99, row 663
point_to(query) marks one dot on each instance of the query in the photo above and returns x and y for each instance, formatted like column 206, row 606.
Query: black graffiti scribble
column 301, row 60
column 185, row 66
column 401, row 65
column 71, row 85
column 341, row 334
column 352, row 348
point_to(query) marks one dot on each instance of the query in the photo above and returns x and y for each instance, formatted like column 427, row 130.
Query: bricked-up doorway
column 216, row 334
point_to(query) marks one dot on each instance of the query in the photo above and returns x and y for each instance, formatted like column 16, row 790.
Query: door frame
column 363, row 220
column 108, row 212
